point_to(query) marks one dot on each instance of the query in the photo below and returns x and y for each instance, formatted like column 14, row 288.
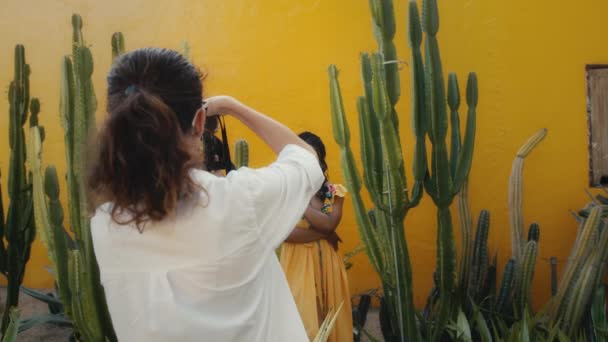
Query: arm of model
column 325, row 223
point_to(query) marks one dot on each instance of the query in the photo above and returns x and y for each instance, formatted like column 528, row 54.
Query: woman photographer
column 185, row 255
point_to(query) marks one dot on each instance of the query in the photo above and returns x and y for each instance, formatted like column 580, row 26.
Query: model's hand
column 333, row 240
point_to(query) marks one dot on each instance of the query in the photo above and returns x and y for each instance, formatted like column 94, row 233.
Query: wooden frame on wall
column 597, row 123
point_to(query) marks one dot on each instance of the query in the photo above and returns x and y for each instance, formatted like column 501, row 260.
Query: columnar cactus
column 527, row 273
column 515, row 194
column 447, row 173
column 534, row 232
column 74, row 259
column 504, row 299
column 118, row 45
column 18, row 230
column 384, row 174
column 480, row 257
column 464, row 211
column 184, row 49
column 241, row 153
column 582, row 275
column 383, row 237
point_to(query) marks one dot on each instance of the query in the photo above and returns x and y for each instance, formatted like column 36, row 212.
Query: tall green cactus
column 384, row 173
column 241, row 153
column 383, row 237
column 383, row 167
column 74, row 260
column 447, row 173
column 19, row 230
column 464, row 211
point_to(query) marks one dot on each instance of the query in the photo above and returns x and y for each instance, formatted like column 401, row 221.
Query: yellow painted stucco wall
column 530, row 57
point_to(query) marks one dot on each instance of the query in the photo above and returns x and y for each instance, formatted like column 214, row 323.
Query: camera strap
column 227, row 162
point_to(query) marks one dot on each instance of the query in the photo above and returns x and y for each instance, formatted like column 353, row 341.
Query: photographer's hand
column 274, row 133
column 219, row 105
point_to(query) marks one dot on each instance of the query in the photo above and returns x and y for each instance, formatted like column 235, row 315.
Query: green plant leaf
column 13, row 327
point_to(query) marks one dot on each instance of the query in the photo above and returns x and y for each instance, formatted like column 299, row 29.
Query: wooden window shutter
column 597, row 119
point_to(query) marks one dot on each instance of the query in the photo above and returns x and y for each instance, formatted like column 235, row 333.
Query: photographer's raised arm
column 273, row 133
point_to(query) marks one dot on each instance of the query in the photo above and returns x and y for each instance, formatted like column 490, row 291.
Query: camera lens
column 211, row 123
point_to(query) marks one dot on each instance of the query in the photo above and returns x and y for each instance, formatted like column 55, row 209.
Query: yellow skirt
column 318, row 282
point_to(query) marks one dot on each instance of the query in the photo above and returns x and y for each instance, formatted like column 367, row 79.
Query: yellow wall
column 273, row 54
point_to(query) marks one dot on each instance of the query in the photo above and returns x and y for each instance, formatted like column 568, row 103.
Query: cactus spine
column 118, row 45
column 18, row 230
column 241, row 157
column 74, row 260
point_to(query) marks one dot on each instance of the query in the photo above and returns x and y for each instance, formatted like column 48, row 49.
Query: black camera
column 211, row 123
column 216, row 151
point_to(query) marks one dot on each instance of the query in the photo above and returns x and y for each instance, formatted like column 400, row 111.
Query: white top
column 210, row 273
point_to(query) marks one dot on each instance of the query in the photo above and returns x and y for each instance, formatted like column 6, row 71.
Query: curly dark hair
column 145, row 148
column 316, row 143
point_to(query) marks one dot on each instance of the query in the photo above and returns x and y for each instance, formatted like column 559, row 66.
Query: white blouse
column 210, row 273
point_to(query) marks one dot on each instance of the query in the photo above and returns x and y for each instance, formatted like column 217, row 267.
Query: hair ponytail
column 145, row 151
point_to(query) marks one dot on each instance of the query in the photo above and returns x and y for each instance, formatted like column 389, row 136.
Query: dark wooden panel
column 597, row 107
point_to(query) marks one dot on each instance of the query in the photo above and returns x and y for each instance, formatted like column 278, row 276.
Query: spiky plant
column 76, row 268
column 241, row 153
column 582, row 274
column 18, row 230
column 447, row 173
column 516, row 195
column 118, row 45
column 384, row 173
column 477, row 276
